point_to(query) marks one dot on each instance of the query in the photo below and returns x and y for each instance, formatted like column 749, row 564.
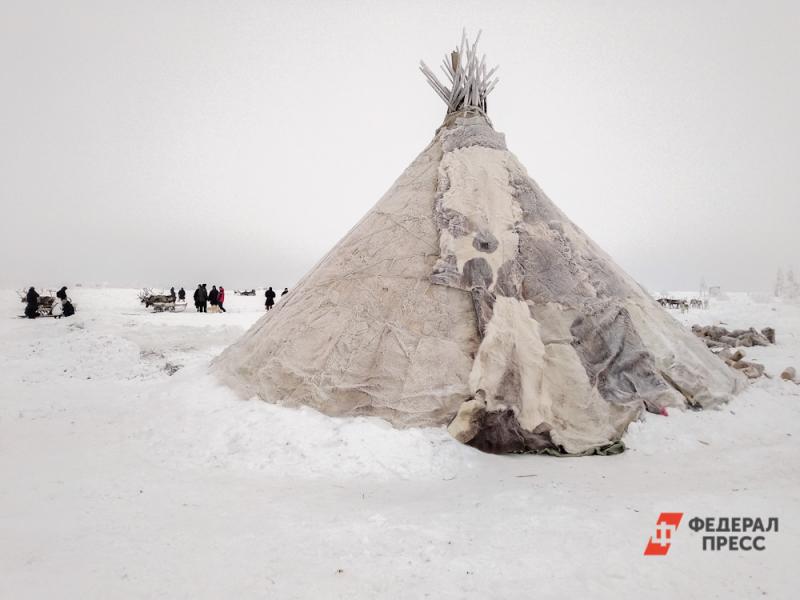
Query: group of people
column 204, row 297
column 270, row 296
column 62, row 308
column 205, row 300
column 215, row 298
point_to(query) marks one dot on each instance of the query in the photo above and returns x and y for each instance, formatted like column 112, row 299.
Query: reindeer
column 674, row 303
column 148, row 298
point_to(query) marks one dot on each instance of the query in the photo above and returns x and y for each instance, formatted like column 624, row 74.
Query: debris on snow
column 716, row 336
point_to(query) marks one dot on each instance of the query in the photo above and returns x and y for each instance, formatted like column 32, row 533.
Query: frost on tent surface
column 466, row 298
column 469, row 80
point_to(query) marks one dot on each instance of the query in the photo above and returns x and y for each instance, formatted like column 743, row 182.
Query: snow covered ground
column 121, row 480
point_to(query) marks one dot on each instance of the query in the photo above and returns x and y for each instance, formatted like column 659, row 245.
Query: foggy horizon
column 157, row 145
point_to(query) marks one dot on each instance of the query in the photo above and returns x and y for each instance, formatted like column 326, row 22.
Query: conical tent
column 466, row 298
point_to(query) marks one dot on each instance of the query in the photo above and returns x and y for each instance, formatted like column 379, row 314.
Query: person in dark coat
column 172, row 293
column 270, row 296
column 203, row 298
column 221, row 299
column 67, row 308
column 284, row 292
column 32, row 308
column 181, row 294
column 197, row 293
column 213, row 295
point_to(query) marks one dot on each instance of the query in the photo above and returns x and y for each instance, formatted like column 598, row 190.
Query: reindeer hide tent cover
column 466, row 298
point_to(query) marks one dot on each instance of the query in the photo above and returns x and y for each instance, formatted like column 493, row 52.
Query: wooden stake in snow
column 469, row 81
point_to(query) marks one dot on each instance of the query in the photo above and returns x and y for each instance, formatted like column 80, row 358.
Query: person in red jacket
column 221, row 299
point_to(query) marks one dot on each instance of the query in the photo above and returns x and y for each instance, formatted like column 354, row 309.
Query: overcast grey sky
column 234, row 142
